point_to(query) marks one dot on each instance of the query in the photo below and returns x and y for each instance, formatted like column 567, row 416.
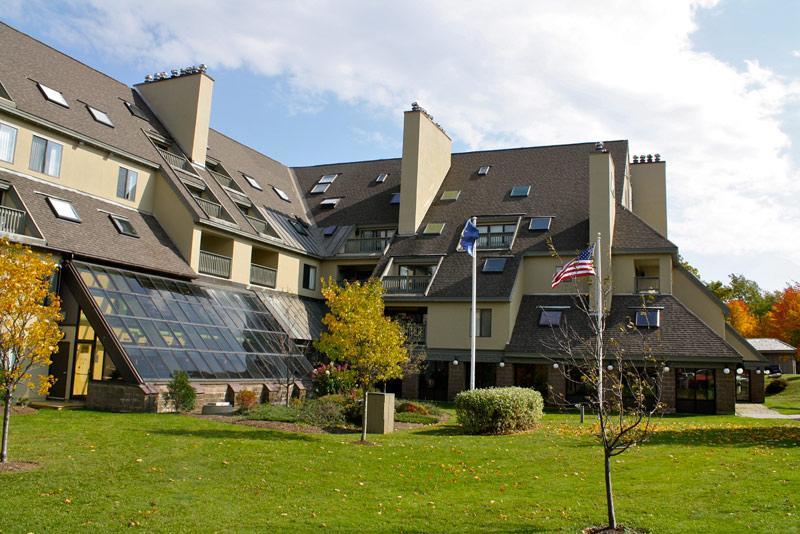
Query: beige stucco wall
column 83, row 168
column 426, row 160
column 290, row 274
column 537, row 274
column 698, row 302
column 183, row 105
column 602, row 206
column 649, row 184
column 448, row 325
column 625, row 273
column 176, row 219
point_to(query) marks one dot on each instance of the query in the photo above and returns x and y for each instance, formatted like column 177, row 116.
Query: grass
column 411, row 417
column 273, row 412
column 175, row 473
column 788, row 400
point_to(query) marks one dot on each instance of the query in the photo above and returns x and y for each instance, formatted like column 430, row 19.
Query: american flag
column 582, row 265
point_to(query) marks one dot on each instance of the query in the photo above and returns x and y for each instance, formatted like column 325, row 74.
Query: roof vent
column 600, row 147
column 176, row 73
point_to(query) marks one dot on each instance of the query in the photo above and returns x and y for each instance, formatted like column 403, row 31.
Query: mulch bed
column 621, row 529
column 300, row 428
column 17, row 467
column 22, row 410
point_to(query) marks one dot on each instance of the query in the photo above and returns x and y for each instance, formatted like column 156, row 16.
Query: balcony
column 211, row 208
column 177, row 161
column 262, row 276
column 366, row 245
column 648, row 285
column 260, row 226
column 12, row 221
column 406, row 284
column 214, row 264
column 491, row 241
column 223, row 180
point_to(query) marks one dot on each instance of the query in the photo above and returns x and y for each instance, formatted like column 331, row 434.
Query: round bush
column 776, row 386
column 499, row 410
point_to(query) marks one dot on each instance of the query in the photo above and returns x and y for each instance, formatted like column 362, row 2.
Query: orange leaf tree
column 360, row 335
column 29, row 316
column 743, row 320
column 783, row 320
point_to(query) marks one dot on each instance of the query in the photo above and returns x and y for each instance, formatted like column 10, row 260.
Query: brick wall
column 756, row 387
column 456, row 378
column 726, row 391
column 504, row 377
column 668, row 391
column 557, row 384
column 411, row 385
column 120, row 397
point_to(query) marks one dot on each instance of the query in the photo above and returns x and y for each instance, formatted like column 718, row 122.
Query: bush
column 411, row 417
column 417, row 407
column 499, row 410
column 323, row 412
column 246, row 399
column 272, row 412
column 180, row 392
column 332, row 379
column 776, row 386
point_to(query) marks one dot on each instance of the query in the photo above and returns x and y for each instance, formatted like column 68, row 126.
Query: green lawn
column 787, row 401
column 174, row 473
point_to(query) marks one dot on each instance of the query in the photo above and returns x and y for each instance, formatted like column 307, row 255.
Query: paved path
column 759, row 411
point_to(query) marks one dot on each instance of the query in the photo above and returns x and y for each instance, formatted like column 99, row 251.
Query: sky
column 712, row 86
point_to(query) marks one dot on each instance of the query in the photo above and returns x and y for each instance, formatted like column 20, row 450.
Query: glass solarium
column 211, row 333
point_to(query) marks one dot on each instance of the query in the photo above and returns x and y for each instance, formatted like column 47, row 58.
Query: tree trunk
column 364, row 418
column 6, row 418
column 612, row 518
column 288, row 389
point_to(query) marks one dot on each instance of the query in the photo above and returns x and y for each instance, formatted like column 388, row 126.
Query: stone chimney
column 182, row 102
column 649, row 187
column 426, row 160
column 602, row 205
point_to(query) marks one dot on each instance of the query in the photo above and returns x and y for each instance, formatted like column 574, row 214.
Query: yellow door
column 83, row 360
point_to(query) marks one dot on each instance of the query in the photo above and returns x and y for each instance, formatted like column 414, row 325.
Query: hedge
column 499, row 410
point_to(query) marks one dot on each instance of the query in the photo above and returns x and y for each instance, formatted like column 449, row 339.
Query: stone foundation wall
column 668, row 391
column 726, row 391
column 505, row 376
column 121, row 397
column 456, row 378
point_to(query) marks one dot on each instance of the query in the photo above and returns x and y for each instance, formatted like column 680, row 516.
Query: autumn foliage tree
column 743, row 320
column 29, row 332
column 361, row 336
column 783, row 319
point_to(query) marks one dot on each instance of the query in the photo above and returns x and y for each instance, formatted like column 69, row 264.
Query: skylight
column 53, row 96
column 329, row 230
column 450, row 195
column 550, row 317
column 281, row 194
column 123, row 225
column 63, row 209
column 540, row 224
column 319, row 188
column 395, row 198
column 648, row 318
column 484, row 170
column 494, row 265
column 328, row 179
column 433, row 229
column 136, row 111
column 330, row 203
column 299, row 226
column 520, row 191
column 252, row 182
column 381, row 177
column 100, row 116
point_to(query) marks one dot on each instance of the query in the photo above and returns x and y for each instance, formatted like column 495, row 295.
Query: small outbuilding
column 777, row 352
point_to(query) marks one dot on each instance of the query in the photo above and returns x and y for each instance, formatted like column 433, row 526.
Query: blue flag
column 468, row 238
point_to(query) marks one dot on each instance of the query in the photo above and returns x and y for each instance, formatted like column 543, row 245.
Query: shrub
column 498, row 410
column 323, row 412
column 776, row 386
column 411, row 417
column 411, row 407
column 180, row 392
column 332, row 379
column 272, row 412
column 246, row 399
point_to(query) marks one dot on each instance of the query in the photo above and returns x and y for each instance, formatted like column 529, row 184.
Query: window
column 550, row 317
column 329, row 203
column 281, row 194
column 319, row 188
column 135, row 110
column 53, row 96
column 328, row 179
column 329, row 230
column 494, row 265
column 381, row 177
column 496, row 235
column 252, row 181
column 449, row 196
column 520, row 191
column 63, row 209
column 484, row 170
column 100, row 116
column 395, row 198
column 484, row 319
column 123, row 225
column 648, row 318
column 540, row 224
column 433, row 229
column 309, row 277
column 45, row 156
column 8, row 142
column 126, row 184
column 298, row 226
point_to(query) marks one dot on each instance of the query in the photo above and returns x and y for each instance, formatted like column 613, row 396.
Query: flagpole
column 474, row 310
column 599, row 317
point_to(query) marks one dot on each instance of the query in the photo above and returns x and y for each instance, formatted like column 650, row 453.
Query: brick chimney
column 426, row 160
column 182, row 102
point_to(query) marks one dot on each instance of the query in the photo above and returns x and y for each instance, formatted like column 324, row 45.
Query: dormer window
column 499, row 235
column 53, row 96
column 123, row 225
column 395, row 198
column 381, row 177
column 135, row 110
column 520, row 191
column 540, row 224
column 484, row 170
column 300, row 226
column 252, row 181
column 281, row 194
column 648, row 318
column 327, row 178
column 329, row 203
column 100, row 116
column 319, row 188
column 63, row 209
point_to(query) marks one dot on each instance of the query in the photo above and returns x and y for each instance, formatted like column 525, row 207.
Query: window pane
column 8, row 141
column 38, row 149
column 53, row 163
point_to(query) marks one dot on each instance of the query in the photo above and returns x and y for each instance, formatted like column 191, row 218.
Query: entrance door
column 59, row 364
column 83, row 364
column 743, row 386
column 695, row 391
column 433, row 381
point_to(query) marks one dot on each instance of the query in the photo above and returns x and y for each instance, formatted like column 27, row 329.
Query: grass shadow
column 247, row 433
column 441, row 430
column 776, row 437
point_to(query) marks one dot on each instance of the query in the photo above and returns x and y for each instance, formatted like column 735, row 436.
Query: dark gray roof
column 301, row 317
column 682, row 336
column 95, row 237
column 770, row 344
column 633, row 234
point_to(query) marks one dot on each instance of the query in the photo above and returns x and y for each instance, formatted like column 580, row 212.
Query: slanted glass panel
column 252, row 181
column 209, row 332
column 100, row 116
column 53, row 96
column 329, row 230
column 520, row 191
column 328, row 179
column 136, row 111
column 63, row 209
column 381, row 177
column 123, row 226
column 494, row 265
column 319, row 188
column 395, row 198
column 550, row 317
column 484, row 170
column 450, row 195
column 433, row 228
column 329, row 203
column 648, row 318
column 540, row 224
column 281, row 193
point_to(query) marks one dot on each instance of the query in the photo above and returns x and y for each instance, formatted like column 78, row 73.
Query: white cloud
column 796, row 53
column 509, row 74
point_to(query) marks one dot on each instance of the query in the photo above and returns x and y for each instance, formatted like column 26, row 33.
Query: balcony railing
column 223, row 180
column 495, row 241
column 177, row 161
column 211, row 208
column 406, row 284
column 215, row 264
column 648, row 284
column 12, row 220
column 356, row 245
column 261, row 227
column 262, row 276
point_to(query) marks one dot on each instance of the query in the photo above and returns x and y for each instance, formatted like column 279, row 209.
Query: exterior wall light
column 739, row 371
column 727, row 370
column 555, row 365
column 610, row 367
column 455, row 362
column 502, row 363
column 758, row 371
column 666, row 368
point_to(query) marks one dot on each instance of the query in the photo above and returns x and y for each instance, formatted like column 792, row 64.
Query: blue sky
column 713, row 86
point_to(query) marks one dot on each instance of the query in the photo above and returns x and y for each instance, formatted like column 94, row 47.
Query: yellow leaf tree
column 742, row 319
column 29, row 316
column 360, row 335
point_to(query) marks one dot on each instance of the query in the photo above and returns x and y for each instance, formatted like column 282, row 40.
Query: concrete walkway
column 759, row 411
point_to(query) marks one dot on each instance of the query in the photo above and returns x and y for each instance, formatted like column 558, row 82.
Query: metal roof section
column 770, row 344
column 301, row 317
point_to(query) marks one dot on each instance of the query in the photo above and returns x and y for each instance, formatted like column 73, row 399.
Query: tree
column 689, row 267
column 742, row 319
column 360, row 335
column 748, row 291
column 783, row 320
column 29, row 332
